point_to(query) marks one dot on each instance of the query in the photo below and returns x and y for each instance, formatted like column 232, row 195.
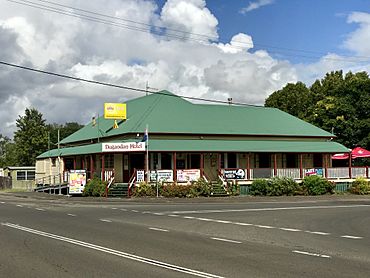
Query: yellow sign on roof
column 115, row 111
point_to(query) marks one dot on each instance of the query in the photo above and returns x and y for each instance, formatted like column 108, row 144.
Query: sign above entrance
column 115, row 111
column 123, row 147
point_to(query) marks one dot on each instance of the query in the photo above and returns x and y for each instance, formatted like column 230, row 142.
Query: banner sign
column 140, row 175
column 234, row 174
column 115, row 111
column 163, row 176
column 314, row 171
column 77, row 181
column 188, row 175
column 123, row 147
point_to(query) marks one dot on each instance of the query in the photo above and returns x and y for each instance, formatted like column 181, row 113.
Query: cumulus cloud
column 357, row 41
column 256, row 5
column 238, row 43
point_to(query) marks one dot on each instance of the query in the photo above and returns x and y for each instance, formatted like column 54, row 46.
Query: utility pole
column 59, row 175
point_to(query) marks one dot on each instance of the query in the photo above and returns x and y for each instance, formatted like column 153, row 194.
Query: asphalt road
column 51, row 236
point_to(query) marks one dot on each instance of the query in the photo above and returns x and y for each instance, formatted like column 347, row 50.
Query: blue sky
column 313, row 25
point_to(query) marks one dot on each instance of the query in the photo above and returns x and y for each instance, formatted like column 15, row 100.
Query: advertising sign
column 123, row 147
column 234, row 174
column 188, row 175
column 314, row 171
column 77, row 181
column 115, row 111
column 163, row 176
column 140, row 175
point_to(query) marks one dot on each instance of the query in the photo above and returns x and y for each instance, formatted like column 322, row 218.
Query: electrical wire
column 147, row 91
column 179, row 34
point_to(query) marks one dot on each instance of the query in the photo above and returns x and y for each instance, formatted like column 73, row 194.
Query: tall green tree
column 64, row 129
column 7, row 152
column 293, row 99
column 31, row 138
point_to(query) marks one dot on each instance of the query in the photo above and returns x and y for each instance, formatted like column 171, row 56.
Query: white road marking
column 158, row 229
column 40, row 209
column 115, row 252
column 134, row 210
column 226, row 240
column 173, row 215
column 2, row 202
column 70, row 214
column 124, row 209
column 146, row 212
column 114, row 208
column 20, row 206
column 223, row 221
column 318, row 233
column 205, row 219
column 290, row 229
column 311, row 254
column 264, row 226
column 189, row 217
column 158, row 213
column 352, row 237
column 105, row 220
column 269, row 209
column 242, row 224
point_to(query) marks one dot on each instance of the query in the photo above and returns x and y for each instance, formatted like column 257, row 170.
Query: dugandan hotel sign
column 123, row 147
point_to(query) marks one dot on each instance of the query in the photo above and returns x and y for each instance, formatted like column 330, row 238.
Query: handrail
column 108, row 186
column 131, row 182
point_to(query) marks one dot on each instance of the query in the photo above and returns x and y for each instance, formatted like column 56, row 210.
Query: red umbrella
column 340, row 156
column 360, row 152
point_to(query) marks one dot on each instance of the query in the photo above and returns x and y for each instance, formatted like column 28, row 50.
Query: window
column 231, row 160
column 194, row 161
column 264, row 160
column 109, row 161
column 21, row 175
column 25, row 175
column 317, row 160
column 53, row 162
column 166, row 161
column 291, row 160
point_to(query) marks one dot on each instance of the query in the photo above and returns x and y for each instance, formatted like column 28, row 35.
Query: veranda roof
column 253, row 146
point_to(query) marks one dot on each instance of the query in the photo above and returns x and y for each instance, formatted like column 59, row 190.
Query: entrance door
column 210, row 166
column 136, row 161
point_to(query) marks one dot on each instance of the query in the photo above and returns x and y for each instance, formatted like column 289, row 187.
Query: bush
column 145, row 190
column 200, row 188
column 316, row 185
column 176, row 190
column 360, row 186
column 233, row 189
column 259, row 187
column 95, row 187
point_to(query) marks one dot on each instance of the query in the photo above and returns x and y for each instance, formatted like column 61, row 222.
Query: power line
column 120, row 86
column 161, row 31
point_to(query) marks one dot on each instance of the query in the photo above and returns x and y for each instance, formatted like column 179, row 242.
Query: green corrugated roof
column 273, row 146
column 167, row 113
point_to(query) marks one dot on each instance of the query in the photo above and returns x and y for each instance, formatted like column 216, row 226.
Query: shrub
column 200, row 188
column 145, row 190
column 95, row 187
column 360, row 186
column 316, row 185
column 176, row 190
column 233, row 189
column 259, row 187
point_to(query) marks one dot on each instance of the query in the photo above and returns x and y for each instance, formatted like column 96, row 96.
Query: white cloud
column 255, row 5
column 238, row 43
column 191, row 16
column 358, row 41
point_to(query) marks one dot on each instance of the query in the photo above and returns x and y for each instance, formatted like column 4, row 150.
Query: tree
column 337, row 103
column 65, row 130
column 7, row 152
column 293, row 99
column 31, row 137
